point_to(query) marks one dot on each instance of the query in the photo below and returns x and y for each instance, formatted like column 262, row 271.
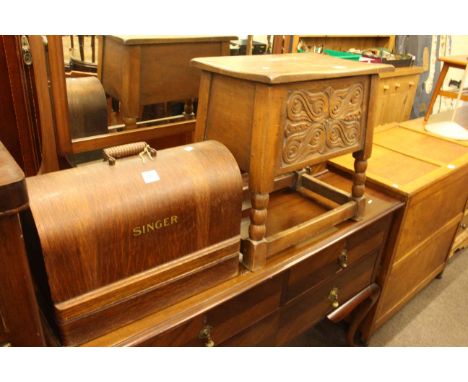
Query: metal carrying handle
column 122, row 151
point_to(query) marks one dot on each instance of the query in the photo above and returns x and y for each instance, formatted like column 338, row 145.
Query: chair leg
column 93, row 48
column 81, row 44
column 436, row 91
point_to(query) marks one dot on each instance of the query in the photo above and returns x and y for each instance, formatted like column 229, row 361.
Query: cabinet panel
column 335, row 259
column 300, row 314
column 263, row 333
column 239, row 313
column 413, row 272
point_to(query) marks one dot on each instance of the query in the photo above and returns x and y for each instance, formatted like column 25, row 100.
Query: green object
column 345, row 55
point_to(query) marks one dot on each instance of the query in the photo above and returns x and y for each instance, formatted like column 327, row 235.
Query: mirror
column 112, row 90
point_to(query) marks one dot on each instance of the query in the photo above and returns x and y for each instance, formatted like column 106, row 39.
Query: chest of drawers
column 430, row 175
column 272, row 306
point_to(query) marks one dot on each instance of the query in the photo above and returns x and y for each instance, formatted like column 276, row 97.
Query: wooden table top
column 162, row 39
column 459, row 60
column 407, row 160
column 284, row 68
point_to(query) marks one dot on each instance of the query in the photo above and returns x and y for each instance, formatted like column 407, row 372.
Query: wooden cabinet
column 396, row 90
column 345, row 42
column 395, row 94
column 296, row 289
column 430, row 175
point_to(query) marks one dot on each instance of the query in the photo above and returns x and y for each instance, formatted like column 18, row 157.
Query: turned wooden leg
column 360, row 313
column 435, row 91
column 130, row 111
column 255, row 246
column 359, row 180
column 188, row 109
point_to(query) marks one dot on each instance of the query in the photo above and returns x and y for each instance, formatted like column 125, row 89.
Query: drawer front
column 186, row 334
column 226, row 320
column 263, row 333
column 305, row 311
column 335, row 259
column 241, row 312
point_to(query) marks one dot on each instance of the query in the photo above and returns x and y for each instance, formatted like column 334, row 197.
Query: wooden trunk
column 122, row 241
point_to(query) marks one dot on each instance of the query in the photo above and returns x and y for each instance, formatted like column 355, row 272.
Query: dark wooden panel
column 263, row 333
column 326, row 264
column 186, row 334
column 19, row 129
column 241, row 312
column 302, row 313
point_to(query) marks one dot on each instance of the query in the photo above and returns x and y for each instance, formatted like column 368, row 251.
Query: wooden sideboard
column 144, row 70
column 296, row 288
column 430, row 175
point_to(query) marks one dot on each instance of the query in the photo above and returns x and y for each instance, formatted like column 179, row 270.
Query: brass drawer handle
column 205, row 336
column 333, row 297
column 343, row 258
column 463, row 226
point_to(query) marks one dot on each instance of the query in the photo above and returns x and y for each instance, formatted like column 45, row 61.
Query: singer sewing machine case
column 119, row 242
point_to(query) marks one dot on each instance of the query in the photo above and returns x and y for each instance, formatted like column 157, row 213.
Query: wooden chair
column 459, row 62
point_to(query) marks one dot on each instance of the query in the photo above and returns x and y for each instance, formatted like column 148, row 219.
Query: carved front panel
column 322, row 122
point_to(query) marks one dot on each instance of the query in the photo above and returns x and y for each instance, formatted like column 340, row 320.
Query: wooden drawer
column 226, row 320
column 303, row 312
column 239, row 313
column 263, row 333
column 326, row 263
column 186, row 334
